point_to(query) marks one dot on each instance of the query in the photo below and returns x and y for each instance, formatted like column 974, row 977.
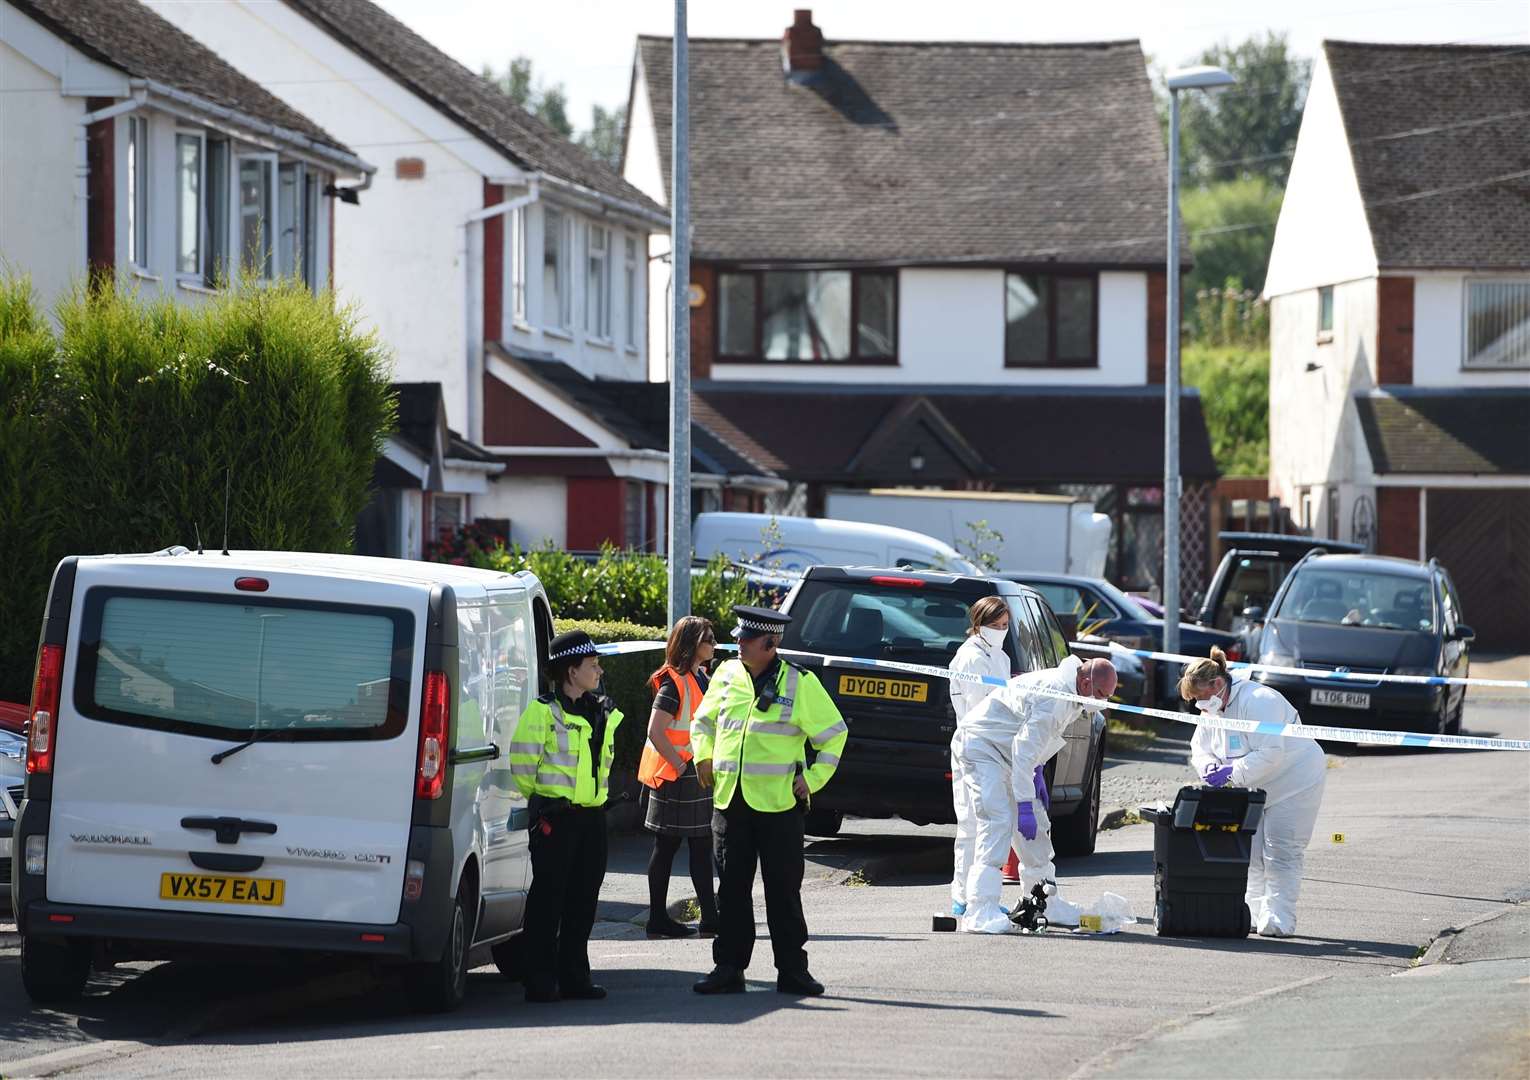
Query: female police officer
column 560, row 757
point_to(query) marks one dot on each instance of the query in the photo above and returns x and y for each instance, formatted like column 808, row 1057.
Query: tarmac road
column 1432, row 841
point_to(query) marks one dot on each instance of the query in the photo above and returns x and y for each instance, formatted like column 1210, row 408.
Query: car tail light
column 435, row 712
column 373, row 938
column 251, row 584
column 1233, row 652
column 42, row 734
column 898, row 582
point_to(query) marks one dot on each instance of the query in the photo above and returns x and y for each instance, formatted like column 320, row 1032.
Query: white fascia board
column 655, row 472
column 1452, row 480
column 455, row 481
column 405, row 458
column 433, row 125
column 757, row 483
column 545, row 399
column 590, row 201
column 78, row 74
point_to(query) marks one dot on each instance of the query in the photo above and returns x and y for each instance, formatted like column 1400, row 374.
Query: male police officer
column 748, row 735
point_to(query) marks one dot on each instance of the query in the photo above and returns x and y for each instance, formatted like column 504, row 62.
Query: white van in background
column 276, row 750
column 794, row 543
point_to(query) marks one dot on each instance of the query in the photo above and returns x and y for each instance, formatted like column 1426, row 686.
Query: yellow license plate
column 888, row 689
column 216, row 889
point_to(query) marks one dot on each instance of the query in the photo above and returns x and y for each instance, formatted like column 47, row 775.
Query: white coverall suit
column 1292, row 773
column 978, row 657
column 999, row 745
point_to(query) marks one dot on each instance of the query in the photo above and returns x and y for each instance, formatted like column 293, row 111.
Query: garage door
column 1483, row 539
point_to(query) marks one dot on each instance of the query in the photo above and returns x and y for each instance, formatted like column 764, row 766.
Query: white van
column 276, row 750
column 795, row 543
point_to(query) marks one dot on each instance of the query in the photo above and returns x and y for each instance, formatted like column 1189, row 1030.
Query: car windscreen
column 1359, row 598
column 922, row 624
column 1252, row 581
column 228, row 667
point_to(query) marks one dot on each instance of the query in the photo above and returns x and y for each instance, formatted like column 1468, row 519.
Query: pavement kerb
column 1435, row 954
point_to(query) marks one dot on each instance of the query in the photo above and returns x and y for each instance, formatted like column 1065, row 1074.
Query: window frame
column 216, row 271
column 199, row 136
column 298, row 171
column 139, row 182
column 1325, row 310
column 265, row 273
column 563, row 277
column 1052, row 362
column 630, row 291
column 1466, row 324
column 597, row 309
column 855, row 359
column 518, row 265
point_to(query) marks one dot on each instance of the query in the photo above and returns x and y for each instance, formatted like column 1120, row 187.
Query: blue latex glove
column 1041, row 787
column 1027, row 821
column 1218, row 777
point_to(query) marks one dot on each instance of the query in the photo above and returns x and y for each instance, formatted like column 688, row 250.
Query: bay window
column 518, row 264
column 138, row 156
column 597, row 282
column 1497, row 325
column 630, row 292
column 808, row 316
column 290, row 207
column 257, row 213
column 557, row 288
column 189, row 184
column 1049, row 320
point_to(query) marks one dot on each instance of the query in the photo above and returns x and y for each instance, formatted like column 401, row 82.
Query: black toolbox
column 1200, row 861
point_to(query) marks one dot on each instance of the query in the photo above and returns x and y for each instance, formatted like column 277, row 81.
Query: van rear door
column 309, row 821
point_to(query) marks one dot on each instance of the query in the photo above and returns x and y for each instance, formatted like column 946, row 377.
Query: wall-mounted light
column 916, row 460
column 1311, row 366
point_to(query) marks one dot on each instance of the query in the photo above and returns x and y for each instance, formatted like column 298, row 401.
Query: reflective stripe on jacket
column 653, row 769
column 550, row 754
column 762, row 750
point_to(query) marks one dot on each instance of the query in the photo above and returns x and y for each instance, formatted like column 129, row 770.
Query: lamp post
column 680, row 332
column 1191, row 78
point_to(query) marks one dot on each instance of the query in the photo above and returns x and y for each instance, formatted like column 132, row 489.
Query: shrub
column 122, row 432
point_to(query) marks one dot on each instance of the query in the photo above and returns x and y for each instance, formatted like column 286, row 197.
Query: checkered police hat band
column 759, row 627
column 584, row 648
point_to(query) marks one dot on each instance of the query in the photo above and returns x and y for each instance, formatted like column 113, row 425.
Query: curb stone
column 1435, row 954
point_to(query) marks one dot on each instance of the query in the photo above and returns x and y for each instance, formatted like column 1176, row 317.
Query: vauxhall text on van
column 276, row 750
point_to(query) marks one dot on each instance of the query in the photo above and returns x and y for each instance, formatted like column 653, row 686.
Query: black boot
column 667, row 928
column 542, row 992
column 721, row 980
column 588, row 992
column 798, row 982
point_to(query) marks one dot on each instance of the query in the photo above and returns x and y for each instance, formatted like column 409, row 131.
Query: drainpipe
column 472, row 265
column 82, row 170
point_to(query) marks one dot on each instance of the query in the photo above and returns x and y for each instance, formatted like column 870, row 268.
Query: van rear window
column 227, row 667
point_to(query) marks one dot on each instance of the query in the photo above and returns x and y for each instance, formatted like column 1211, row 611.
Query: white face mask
column 993, row 636
column 1210, row 705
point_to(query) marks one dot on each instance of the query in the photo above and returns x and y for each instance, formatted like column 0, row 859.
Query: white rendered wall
column 1439, row 333
column 641, row 167
column 537, row 507
column 1322, row 237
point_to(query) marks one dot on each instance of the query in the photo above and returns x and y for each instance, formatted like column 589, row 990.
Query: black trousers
column 567, row 866
column 743, row 837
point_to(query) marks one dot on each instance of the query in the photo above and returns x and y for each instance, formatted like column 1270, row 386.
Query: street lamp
column 1191, row 78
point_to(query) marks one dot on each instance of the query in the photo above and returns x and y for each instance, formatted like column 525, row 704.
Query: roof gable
column 919, row 152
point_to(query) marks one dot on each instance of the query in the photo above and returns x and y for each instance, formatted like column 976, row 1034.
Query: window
column 291, row 220
column 257, row 213
column 630, row 293
column 557, row 289
column 1497, row 325
column 310, row 229
column 864, row 618
column 445, row 516
column 138, row 190
column 597, row 281
column 833, row 316
column 1049, row 320
column 518, row 264
column 1325, row 310
column 216, row 270
column 188, row 200
column 1359, row 598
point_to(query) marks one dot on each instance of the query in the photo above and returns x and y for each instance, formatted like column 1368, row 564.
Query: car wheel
column 823, row 822
column 1076, row 834
column 441, row 986
column 54, row 969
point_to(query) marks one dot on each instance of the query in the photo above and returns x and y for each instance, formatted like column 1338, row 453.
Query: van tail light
column 414, row 879
column 434, row 716
column 42, row 732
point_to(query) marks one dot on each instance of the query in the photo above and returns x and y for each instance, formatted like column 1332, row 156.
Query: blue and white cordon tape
column 1294, row 731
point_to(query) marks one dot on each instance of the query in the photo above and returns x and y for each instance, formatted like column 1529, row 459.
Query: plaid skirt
column 679, row 807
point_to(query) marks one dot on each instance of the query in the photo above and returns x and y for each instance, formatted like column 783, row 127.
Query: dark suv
column 898, row 760
column 1369, row 614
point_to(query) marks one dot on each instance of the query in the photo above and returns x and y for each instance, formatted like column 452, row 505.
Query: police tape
column 1361, row 736
column 1311, row 673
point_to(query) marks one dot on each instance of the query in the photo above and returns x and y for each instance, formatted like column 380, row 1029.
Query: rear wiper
column 218, row 758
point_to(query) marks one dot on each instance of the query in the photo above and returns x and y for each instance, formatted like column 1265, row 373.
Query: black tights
column 663, row 860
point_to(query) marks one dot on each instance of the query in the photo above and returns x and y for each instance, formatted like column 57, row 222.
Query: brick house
column 1399, row 290
column 931, row 264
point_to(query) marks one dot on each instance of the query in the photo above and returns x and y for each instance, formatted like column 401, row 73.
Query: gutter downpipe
column 472, row 268
column 82, row 169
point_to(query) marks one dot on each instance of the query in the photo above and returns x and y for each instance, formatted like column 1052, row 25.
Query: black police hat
column 573, row 644
column 753, row 621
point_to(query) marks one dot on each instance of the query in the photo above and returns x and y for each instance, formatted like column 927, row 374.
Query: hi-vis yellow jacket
column 550, row 754
column 762, row 750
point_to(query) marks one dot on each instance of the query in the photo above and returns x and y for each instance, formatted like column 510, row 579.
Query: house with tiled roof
column 493, row 257
column 1399, row 289
column 932, row 264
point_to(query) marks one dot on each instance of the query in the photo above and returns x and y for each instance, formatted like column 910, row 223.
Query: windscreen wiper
column 218, row 758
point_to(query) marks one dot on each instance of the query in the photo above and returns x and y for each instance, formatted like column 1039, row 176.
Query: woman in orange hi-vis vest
column 679, row 808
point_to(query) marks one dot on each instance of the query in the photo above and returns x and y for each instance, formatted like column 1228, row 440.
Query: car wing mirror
column 1254, row 614
column 1464, row 633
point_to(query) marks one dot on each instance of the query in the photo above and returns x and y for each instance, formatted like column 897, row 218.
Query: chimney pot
column 802, row 46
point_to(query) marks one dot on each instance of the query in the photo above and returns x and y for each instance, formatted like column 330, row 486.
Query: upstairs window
column 597, row 282
column 1050, row 320
column 630, row 293
column 1325, row 310
column 808, row 316
column 557, row 288
column 1497, row 325
column 518, row 264
column 138, row 190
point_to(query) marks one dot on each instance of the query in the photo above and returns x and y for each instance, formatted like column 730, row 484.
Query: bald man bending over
column 1002, row 746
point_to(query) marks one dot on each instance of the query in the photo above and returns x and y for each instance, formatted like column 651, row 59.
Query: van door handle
column 478, row 753
column 226, row 830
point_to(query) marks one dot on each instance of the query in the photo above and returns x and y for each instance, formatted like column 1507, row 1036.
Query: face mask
column 1210, row 705
column 993, row 636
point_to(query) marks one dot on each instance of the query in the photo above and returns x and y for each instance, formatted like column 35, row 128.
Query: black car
column 1369, row 615
column 1106, row 611
column 1250, row 574
column 898, row 760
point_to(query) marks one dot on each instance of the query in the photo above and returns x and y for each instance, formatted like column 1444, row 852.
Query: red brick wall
column 1157, row 346
column 596, row 512
column 1397, row 522
column 493, row 265
column 1394, row 331
column 704, row 321
column 101, row 190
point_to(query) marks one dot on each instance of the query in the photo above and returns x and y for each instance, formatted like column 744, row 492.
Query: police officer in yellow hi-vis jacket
column 560, row 757
column 749, row 736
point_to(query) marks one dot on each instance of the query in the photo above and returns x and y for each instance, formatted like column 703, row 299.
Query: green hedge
column 119, row 431
column 626, row 681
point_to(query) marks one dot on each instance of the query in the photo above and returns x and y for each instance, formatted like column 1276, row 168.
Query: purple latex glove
column 1041, row 787
column 1027, row 821
column 1218, row 777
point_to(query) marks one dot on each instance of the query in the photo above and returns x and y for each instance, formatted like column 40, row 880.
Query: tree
column 548, row 104
column 1231, row 227
column 604, row 139
column 1249, row 129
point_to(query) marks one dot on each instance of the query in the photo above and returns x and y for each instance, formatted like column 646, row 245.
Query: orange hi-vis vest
column 653, row 769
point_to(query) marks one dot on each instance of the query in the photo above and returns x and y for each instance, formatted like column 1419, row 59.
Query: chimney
column 802, row 47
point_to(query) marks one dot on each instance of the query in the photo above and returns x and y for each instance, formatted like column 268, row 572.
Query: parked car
column 13, row 716
column 898, row 760
column 1369, row 615
column 276, row 750
column 13, row 772
column 1106, row 611
column 796, row 543
column 1249, row 575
